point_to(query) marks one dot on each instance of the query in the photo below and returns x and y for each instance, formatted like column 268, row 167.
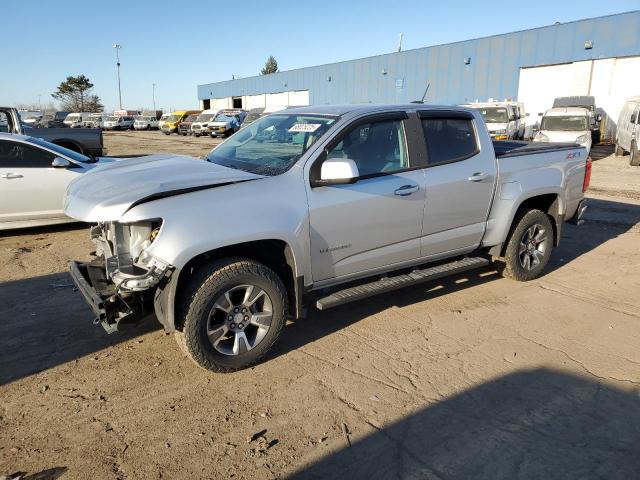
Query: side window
column 377, row 147
column 18, row 155
column 449, row 139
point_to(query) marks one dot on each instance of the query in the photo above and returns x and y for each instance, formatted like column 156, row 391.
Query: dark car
column 52, row 120
column 184, row 127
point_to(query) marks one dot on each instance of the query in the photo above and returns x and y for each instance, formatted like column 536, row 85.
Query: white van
column 76, row 120
column 628, row 132
column 501, row 119
column 566, row 125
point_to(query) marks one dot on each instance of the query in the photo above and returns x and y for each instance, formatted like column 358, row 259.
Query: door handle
column 478, row 177
column 405, row 190
column 9, row 176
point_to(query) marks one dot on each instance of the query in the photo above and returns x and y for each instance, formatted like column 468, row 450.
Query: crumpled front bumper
column 112, row 309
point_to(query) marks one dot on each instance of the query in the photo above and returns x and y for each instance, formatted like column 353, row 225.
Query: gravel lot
column 473, row 377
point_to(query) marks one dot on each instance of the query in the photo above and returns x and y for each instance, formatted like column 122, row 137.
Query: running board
column 388, row 284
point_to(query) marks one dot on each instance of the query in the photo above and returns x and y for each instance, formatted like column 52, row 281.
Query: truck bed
column 512, row 148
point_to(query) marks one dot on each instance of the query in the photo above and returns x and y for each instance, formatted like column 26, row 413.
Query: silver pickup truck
column 315, row 206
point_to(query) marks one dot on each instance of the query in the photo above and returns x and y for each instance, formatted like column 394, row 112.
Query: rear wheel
column 529, row 246
column 634, row 155
column 233, row 311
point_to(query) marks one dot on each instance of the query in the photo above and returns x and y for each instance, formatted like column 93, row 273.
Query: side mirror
column 60, row 162
column 337, row 171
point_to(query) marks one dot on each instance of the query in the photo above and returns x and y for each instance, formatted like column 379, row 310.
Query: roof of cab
column 339, row 110
column 565, row 111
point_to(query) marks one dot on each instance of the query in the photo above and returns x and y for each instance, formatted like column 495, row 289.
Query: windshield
column 221, row 117
column 174, row 118
column 204, row 118
column 190, row 118
column 494, row 115
column 566, row 124
column 78, row 157
column 112, row 119
column 72, row 118
column 271, row 145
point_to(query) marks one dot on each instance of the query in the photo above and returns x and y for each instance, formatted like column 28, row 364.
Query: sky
column 180, row 44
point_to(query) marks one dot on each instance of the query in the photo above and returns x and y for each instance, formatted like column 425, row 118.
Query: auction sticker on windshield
column 305, row 127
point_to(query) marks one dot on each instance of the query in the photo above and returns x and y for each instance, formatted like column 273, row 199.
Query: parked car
column 589, row 103
column 565, row 125
column 87, row 141
column 51, row 119
column 145, row 123
column 199, row 126
column 171, row 124
column 118, row 123
column 184, row 127
column 95, row 120
column 29, row 117
column 76, row 119
column 628, row 132
column 163, row 119
column 500, row 118
column 226, row 123
column 333, row 210
column 34, row 175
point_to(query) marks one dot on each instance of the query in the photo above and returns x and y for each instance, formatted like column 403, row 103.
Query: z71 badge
column 573, row 155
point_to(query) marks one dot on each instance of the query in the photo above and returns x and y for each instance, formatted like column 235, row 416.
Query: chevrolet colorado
column 324, row 205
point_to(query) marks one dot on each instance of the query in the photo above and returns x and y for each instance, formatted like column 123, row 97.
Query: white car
column 118, row 123
column 34, row 175
column 145, row 123
column 566, row 124
column 163, row 119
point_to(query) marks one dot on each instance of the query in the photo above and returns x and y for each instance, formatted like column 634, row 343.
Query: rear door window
column 449, row 139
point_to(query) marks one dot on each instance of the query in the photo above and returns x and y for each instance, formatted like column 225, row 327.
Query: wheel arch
column 276, row 254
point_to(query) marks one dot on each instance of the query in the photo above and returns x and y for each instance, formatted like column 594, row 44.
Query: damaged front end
column 120, row 281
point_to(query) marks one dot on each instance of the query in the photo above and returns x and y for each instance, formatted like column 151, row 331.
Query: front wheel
column 529, row 246
column 233, row 312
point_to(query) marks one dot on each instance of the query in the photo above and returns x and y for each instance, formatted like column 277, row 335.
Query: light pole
column 154, row 97
column 118, row 47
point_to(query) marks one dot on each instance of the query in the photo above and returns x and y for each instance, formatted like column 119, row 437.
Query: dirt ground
column 474, row 377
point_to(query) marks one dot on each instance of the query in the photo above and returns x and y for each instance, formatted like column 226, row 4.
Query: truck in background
column 588, row 102
column 76, row 119
column 501, row 119
column 171, row 123
column 565, row 125
column 199, row 127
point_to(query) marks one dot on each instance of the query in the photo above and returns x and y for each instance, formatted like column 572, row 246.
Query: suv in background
column 118, row 123
column 628, row 132
column 184, row 127
column 587, row 102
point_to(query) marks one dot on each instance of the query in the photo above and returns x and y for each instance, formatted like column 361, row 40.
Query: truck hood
column 564, row 136
column 219, row 124
column 492, row 127
column 106, row 192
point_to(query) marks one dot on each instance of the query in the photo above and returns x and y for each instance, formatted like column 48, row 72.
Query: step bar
column 389, row 284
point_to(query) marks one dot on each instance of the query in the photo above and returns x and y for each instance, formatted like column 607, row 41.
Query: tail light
column 587, row 175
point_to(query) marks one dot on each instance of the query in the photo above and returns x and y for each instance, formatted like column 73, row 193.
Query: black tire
column 167, row 133
column 197, row 303
column 525, row 221
column 619, row 151
column 634, row 155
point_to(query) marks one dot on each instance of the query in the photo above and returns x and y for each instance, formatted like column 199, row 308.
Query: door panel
column 365, row 225
column 459, row 186
column 29, row 187
column 376, row 221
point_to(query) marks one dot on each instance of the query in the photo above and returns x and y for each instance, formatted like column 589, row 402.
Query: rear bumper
column 580, row 211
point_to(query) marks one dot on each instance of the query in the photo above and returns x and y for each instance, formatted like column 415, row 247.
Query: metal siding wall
column 493, row 72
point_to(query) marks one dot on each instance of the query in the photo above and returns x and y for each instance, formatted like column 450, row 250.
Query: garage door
column 609, row 80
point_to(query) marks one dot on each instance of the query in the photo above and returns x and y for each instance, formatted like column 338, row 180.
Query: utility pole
column 39, row 102
column 399, row 43
column 154, row 97
column 118, row 47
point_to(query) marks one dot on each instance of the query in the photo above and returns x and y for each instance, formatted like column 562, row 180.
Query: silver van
column 628, row 131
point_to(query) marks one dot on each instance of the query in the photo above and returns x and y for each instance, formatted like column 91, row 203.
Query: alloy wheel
column 532, row 246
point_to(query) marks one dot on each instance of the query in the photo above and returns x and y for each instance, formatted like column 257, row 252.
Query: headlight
column 540, row 137
column 582, row 139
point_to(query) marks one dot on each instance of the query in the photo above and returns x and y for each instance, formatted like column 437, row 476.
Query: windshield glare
column 567, row 124
column 494, row 115
column 271, row 145
column 204, row 118
column 78, row 157
column 112, row 119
